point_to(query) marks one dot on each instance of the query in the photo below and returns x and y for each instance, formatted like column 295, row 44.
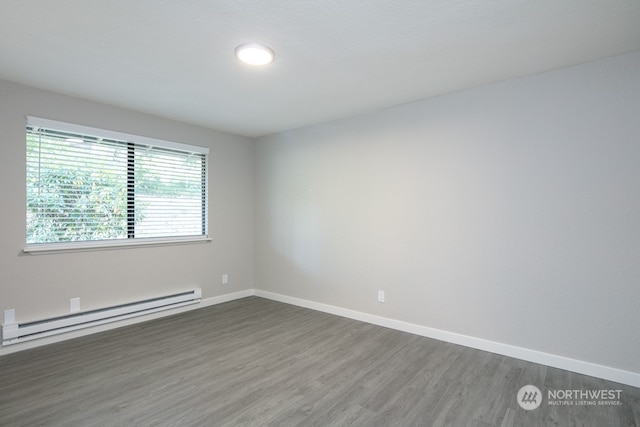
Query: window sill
column 46, row 248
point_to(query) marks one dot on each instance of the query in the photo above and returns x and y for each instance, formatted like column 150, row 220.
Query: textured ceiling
column 334, row 58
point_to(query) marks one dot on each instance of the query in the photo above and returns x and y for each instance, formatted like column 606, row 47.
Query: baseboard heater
column 13, row 333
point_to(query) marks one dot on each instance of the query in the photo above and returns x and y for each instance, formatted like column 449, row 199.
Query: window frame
column 129, row 242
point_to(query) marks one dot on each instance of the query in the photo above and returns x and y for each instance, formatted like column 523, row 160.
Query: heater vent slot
column 13, row 332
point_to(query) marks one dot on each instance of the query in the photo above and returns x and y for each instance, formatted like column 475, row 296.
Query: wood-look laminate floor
column 256, row 362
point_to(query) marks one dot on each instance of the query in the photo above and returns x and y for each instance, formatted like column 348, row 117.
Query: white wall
column 39, row 286
column 509, row 212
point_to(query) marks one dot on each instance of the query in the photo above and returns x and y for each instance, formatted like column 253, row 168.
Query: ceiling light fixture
column 254, row 54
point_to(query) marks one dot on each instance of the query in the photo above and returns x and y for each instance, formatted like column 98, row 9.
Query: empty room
column 329, row 213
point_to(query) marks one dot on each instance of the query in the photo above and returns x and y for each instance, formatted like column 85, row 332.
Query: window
column 91, row 187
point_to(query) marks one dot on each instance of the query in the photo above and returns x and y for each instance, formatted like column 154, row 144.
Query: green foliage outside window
column 68, row 203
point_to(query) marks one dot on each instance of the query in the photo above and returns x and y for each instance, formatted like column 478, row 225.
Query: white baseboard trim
column 206, row 302
column 555, row 361
column 225, row 298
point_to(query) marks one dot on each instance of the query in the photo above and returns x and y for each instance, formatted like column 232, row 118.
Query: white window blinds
column 88, row 185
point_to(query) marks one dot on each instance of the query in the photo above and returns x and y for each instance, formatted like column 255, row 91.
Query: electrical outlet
column 380, row 296
column 225, row 279
column 9, row 316
column 74, row 305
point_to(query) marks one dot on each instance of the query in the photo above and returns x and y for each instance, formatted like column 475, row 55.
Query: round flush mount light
column 254, row 54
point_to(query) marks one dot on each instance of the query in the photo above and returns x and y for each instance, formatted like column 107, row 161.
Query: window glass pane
column 169, row 193
column 75, row 189
column 87, row 188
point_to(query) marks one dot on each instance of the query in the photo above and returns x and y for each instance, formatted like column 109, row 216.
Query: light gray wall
column 509, row 212
column 40, row 286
